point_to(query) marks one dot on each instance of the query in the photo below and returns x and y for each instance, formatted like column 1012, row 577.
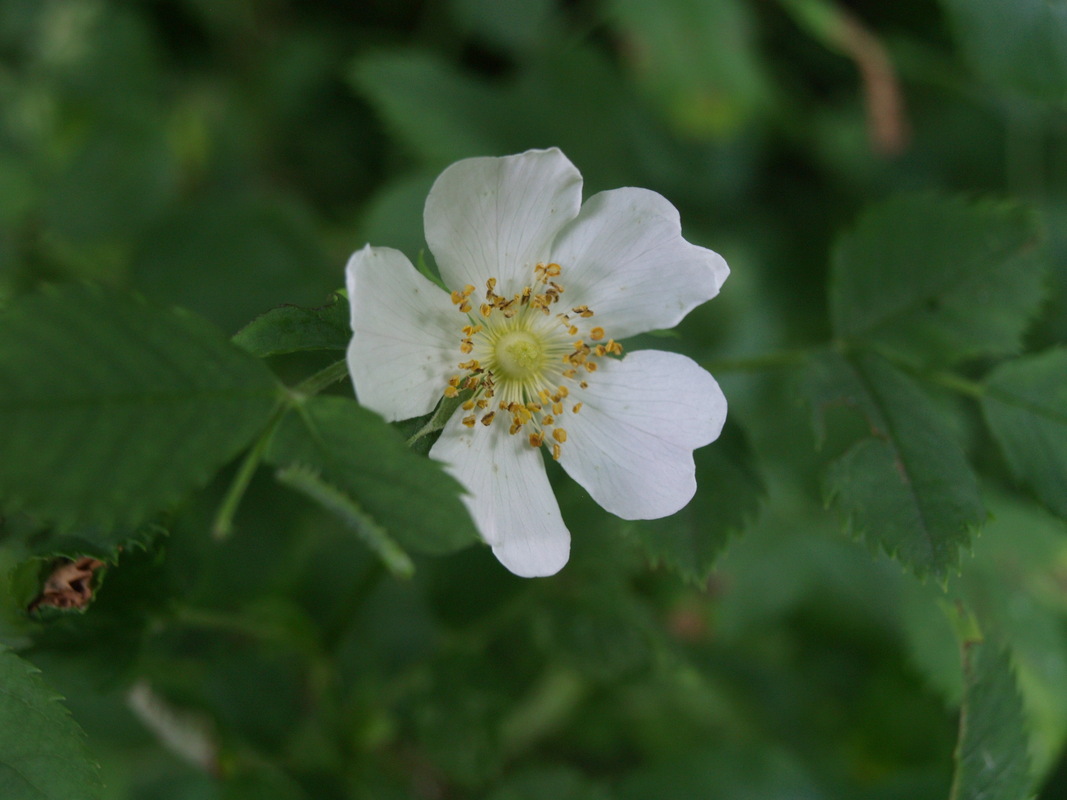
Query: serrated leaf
column 330, row 497
column 991, row 753
column 289, row 329
column 908, row 486
column 1016, row 44
column 938, row 279
column 728, row 496
column 112, row 408
column 1025, row 405
column 42, row 750
column 357, row 452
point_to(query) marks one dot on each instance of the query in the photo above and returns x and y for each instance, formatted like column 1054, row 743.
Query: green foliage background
column 866, row 599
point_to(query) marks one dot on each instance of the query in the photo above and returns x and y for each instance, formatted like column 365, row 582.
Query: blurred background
column 227, row 157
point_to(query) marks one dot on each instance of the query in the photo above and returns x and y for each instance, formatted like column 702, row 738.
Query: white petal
column 406, row 334
column 510, row 498
column 631, row 444
column 497, row 217
column 624, row 257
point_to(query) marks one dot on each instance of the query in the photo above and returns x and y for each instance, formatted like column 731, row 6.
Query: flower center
column 519, row 355
column 523, row 360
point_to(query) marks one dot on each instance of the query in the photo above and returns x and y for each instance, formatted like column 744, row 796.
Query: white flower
column 543, row 289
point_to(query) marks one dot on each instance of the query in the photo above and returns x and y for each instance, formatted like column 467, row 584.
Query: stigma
column 522, row 356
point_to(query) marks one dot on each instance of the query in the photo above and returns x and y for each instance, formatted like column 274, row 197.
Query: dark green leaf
column 289, row 329
column 1026, row 407
column 728, row 495
column 356, row 452
column 1016, row 44
column 907, row 486
column 991, row 754
column 938, row 280
column 112, row 409
column 42, row 750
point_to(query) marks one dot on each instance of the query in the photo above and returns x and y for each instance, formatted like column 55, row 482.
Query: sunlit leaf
column 907, row 486
column 938, row 279
column 1025, row 405
column 42, row 750
column 112, row 408
column 991, row 754
column 355, row 451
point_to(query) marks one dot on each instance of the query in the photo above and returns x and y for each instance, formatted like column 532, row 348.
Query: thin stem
column 223, row 525
column 324, row 378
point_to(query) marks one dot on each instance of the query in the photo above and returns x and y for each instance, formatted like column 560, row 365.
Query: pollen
column 522, row 359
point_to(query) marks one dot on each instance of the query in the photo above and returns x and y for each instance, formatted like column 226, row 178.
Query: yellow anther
column 457, row 298
column 515, row 427
column 537, row 439
column 559, row 435
column 451, row 391
column 583, row 384
column 572, row 330
column 482, row 403
column 465, row 307
column 600, row 350
column 472, row 364
column 535, row 407
column 569, row 373
column 563, row 391
column 490, row 284
column 486, row 309
column 548, row 419
column 468, row 405
column 488, row 418
column 590, row 366
column 556, row 451
column 577, row 408
column 557, row 408
column 596, row 334
column 469, row 421
column 468, row 290
column 466, row 347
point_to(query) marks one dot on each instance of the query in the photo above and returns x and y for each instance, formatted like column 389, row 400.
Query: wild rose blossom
column 543, row 290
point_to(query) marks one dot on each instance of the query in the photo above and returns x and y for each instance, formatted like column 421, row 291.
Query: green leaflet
column 355, row 452
column 690, row 541
column 289, row 329
column 991, row 754
column 907, row 486
column 1025, row 406
column 1018, row 45
column 112, row 409
column 938, row 279
column 42, row 750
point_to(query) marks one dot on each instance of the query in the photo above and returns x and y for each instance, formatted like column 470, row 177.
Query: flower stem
column 324, row 378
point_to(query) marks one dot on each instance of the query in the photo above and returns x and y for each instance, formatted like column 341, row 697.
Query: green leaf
column 907, row 486
column 728, row 496
column 991, row 754
column 441, row 113
column 697, row 59
column 1019, row 45
column 356, row 452
column 938, row 279
column 307, row 481
column 1025, row 406
column 112, row 409
column 289, row 329
column 42, row 750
